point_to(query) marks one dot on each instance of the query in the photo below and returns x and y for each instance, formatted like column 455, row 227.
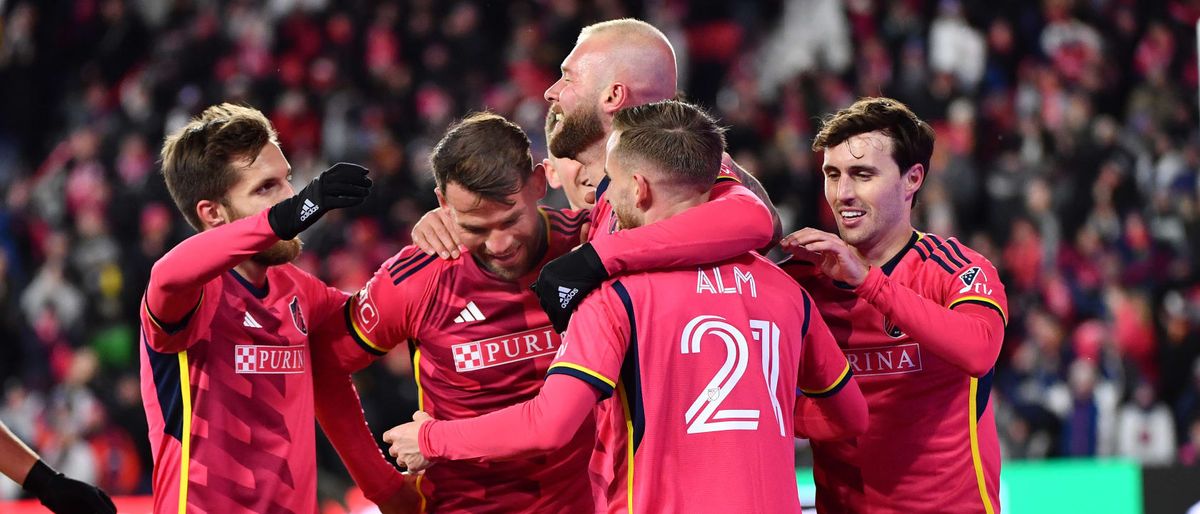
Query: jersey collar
column 891, row 263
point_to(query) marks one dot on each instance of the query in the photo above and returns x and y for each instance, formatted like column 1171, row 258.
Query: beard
column 281, row 252
column 627, row 216
column 576, row 132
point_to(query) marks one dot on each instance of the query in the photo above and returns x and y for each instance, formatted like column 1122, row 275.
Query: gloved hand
column 342, row 185
column 64, row 495
column 564, row 282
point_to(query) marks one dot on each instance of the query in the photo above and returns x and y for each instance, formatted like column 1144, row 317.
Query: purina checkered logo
column 565, row 294
column 505, row 349
column 308, row 209
column 268, row 360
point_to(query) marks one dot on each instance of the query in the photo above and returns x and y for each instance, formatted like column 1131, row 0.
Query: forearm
column 545, row 423
column 839, row 416
column 968, row 337
column 340, row 414
column 15, row 457
column 731, row 223
column 177, row 279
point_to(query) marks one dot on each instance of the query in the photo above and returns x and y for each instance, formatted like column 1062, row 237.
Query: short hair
column 625, row 27
column 912, row 138
column 198, row 159
column 486, row 155
column 679, row 139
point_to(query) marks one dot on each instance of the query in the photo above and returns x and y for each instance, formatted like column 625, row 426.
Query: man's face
column 622, row 188
column 260, row 185
column 573, row 178
column 574, row 120
column 864, row 187
column 507, row 240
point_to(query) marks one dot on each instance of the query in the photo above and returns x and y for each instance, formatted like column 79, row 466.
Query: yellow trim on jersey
column 984, row 299
column 420, row 406
column 590, row 372
column 975, row 459
column 362, row 336
column 835, row 383
column 185, row 390
column 628, row 449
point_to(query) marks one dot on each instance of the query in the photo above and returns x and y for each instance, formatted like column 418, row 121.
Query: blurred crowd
column 1067, row 153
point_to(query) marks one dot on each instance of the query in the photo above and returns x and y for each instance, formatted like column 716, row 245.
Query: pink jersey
column 931, row 444
column 479, row 343
column 705, row 364
column 228, row 395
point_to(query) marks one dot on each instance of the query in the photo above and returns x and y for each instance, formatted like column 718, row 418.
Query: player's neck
column 253, row 272
column 891, row 244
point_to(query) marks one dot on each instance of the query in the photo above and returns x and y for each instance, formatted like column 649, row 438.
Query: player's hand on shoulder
column 405, row 446
column 342, row 185
column 564, row 282
column 836, row 259
column 435, row 233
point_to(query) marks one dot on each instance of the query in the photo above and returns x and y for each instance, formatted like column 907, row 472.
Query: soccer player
column 58, row 493
column 225, row 363
column 617, row 64
column 920, row 318
column 478, row 338
column 704, row 362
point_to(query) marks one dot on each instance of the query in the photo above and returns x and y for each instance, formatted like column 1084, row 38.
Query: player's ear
column 641, row 192
column 614, row 97
column 212, row 214
column 913, row 179
column 536, row 185
column 547, row 166
column 437, row 191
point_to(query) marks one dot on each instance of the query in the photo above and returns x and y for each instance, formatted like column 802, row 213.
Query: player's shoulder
column 946, row 256
column 565, row 224
column 413, row 264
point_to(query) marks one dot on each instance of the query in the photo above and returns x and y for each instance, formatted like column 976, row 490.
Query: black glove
column 564, row 282
column 63, row 495
column 342, row 185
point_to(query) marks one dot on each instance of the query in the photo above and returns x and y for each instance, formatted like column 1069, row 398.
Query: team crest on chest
column 298, row 315
column 891, row 329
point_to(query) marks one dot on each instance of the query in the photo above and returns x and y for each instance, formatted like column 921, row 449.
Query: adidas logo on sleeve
column 565, row 294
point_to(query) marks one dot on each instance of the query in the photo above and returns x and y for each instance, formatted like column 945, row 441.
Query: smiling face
column 574, row 119
column 506, row 239
column 260, row 185
column 870, row 198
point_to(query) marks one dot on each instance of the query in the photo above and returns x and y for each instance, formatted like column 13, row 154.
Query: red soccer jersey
column 931, row 443
column 705, row 364
column 228, row 396
column 479, row 343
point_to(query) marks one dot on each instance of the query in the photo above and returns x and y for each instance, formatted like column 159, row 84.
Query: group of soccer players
column 660, row 366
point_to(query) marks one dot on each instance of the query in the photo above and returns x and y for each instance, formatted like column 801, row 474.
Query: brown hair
column 486, row 155
column 678, row 138
column 197, row 160
column 912, row 138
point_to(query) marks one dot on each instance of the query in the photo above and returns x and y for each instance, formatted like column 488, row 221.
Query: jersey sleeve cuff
column 837, row 385
column 423, row 443
column 178, row 326
column 602, row 383
column 870, row 286
column 984, row 301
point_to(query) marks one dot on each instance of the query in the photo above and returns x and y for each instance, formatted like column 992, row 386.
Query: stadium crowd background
column 1068, row 154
